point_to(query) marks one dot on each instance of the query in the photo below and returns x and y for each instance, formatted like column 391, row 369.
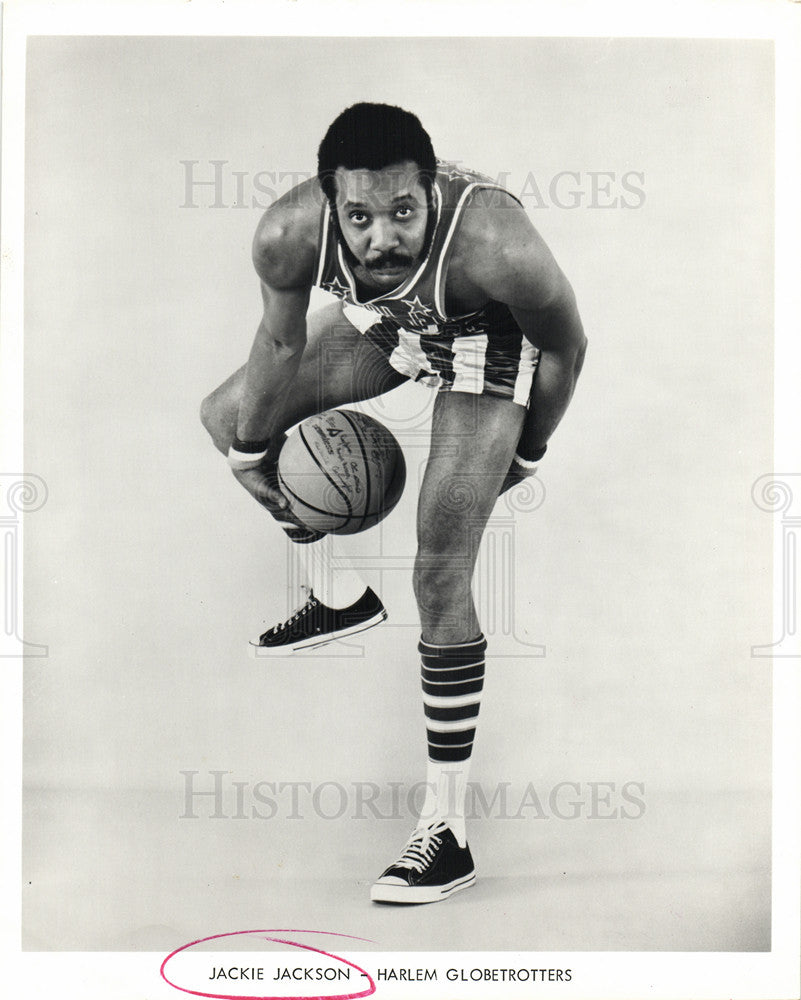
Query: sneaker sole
column 419, row 894
column 314, row 642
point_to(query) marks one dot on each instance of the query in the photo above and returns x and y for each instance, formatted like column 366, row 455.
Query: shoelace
column 310, row 603
column 419, row 852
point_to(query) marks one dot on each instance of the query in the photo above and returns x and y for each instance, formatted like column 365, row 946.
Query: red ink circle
column 275, row 940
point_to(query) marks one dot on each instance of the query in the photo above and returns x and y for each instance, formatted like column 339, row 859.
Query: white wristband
column 241, row 461
column 525, row 464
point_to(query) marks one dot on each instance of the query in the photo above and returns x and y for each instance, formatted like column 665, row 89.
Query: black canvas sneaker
column 432, row 867
column 314, row 624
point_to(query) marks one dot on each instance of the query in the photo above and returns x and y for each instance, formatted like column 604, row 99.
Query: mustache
column 390, row 259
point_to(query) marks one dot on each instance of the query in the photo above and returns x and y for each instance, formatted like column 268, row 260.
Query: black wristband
column 533, row 456
column 245, row 455
column 250, row 447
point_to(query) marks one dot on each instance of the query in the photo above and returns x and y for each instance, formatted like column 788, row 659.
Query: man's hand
column 262, row 484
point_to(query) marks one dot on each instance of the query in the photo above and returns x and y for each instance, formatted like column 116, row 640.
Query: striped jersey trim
column 527, row 365
column 409, row 344
column 439, row 277
column 325, row 226
column 469, row 355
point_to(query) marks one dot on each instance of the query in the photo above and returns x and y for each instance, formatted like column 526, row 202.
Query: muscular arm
column 510, row 262
column 273, row 362
column 283, row 257
column 283, row 254
column 558, row 332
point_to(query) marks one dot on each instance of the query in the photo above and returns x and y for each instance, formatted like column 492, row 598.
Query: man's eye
column 404, row 211
column 358, row 218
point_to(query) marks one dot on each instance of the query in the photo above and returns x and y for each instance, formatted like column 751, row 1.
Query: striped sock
column 452, row 678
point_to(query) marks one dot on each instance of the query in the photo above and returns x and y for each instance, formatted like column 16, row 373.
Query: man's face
column 383, row 216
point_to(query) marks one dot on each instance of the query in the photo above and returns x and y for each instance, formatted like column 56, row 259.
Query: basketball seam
column 319, row 510
column 336, row 485
column 367, row 483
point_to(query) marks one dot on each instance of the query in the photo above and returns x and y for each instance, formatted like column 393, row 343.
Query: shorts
column 499, row 362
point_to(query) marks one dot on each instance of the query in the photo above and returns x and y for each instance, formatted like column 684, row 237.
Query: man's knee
column 440, row 582
column 206, row 413
column 220, row 409
column 210, row 417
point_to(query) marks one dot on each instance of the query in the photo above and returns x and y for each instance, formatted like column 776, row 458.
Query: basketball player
column 440, row 277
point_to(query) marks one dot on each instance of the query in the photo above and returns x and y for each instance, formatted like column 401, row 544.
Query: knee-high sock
column 329, row 573
column 452, row 678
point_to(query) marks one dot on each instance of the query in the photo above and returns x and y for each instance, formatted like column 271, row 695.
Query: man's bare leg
column 472, row 443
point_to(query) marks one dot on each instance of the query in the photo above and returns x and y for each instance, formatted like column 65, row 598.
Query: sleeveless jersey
column 418, row 304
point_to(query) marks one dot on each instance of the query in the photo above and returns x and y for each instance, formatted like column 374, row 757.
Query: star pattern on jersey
column 335, row 287
column 456, row 173
column 420, row 315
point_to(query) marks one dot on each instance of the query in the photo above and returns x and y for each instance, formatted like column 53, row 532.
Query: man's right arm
column 283, row 255
column 273, row 362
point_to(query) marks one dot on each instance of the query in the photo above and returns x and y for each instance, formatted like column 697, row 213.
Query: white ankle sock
column 446, row 791
column 330, row 575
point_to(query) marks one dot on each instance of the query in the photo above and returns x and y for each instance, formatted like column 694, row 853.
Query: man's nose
column 383, row 237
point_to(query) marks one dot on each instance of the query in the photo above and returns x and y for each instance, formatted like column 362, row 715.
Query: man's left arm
column 512, row 264
column 558, row 332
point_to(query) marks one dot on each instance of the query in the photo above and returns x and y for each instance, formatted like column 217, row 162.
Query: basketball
column 341, row 472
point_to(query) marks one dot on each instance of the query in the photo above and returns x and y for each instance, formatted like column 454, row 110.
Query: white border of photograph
column 659, row 975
